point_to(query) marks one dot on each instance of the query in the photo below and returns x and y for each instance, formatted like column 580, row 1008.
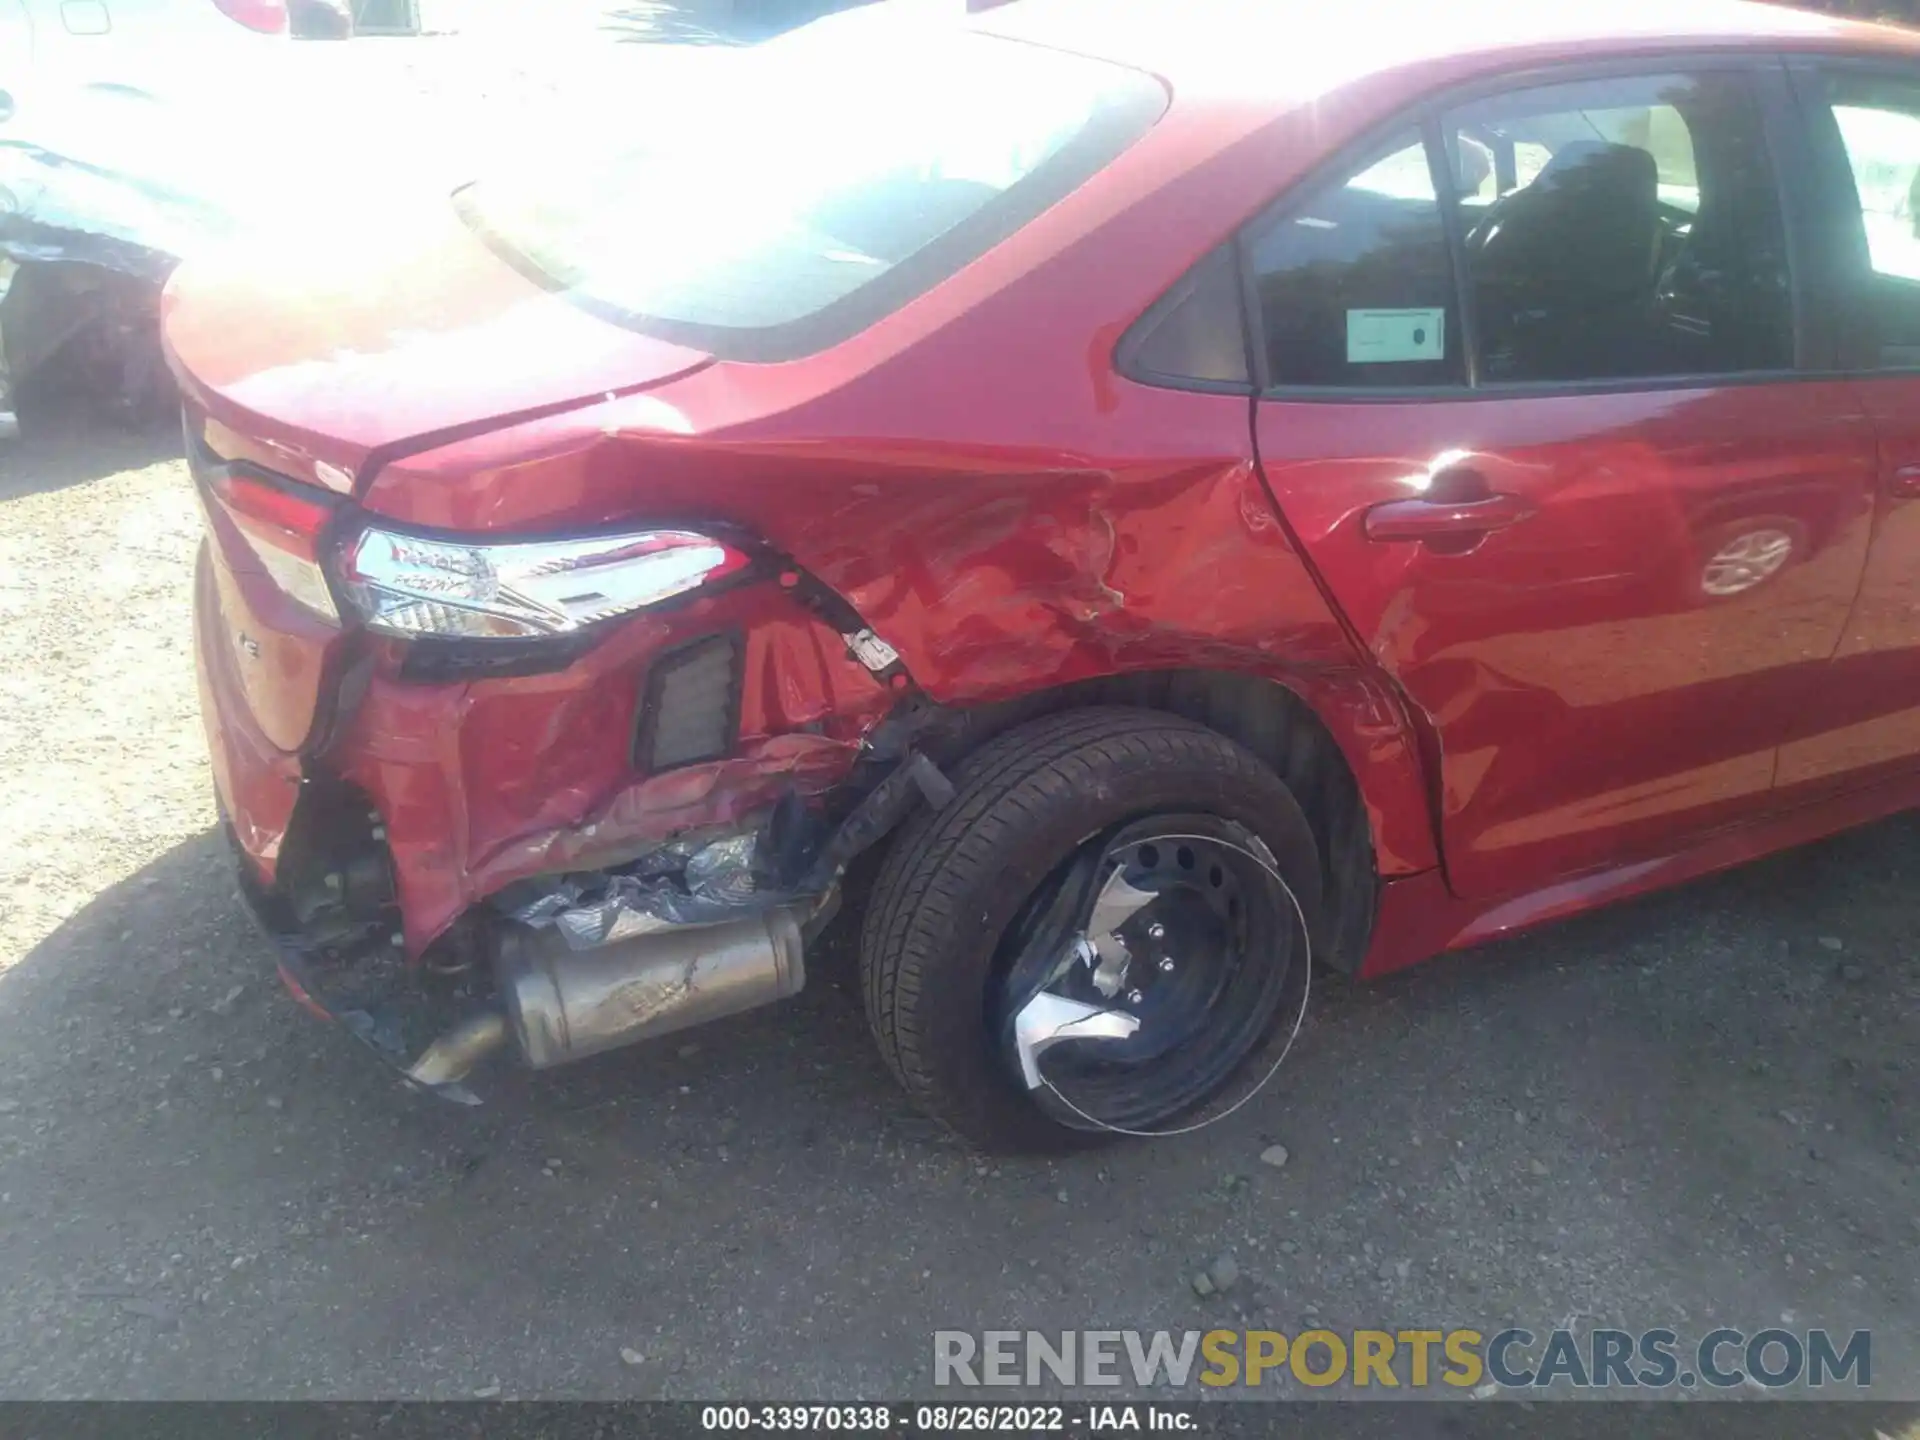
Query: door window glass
column 1622, row 228
column 1880, row 128
column 1355, row 285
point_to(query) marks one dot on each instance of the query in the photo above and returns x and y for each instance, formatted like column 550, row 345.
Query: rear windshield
column 816, row 183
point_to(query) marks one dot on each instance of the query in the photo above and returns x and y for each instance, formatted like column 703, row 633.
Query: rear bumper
column 372, row 850
column 395, row 1017
column 257, row 784
column 358, row 979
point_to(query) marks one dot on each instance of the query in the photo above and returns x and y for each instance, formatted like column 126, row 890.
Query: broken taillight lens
column 284, row 531
column 269, row 17
column 415, row 585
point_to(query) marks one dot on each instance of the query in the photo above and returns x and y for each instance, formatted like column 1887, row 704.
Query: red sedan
column 1145, row 498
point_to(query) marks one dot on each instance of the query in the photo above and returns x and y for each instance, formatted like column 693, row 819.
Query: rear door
column 1866, row 129
column 1536, row 403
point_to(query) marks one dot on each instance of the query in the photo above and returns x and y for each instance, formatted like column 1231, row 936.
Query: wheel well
column 1263, row 716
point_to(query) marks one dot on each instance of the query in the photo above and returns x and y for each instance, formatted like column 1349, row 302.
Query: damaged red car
column 1166, row 496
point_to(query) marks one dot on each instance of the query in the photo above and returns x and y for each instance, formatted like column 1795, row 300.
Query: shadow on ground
column 64, row 443
column 1689, row 1111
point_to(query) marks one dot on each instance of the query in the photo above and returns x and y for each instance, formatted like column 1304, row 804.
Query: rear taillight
column 269, row 17
column 417, row 585
column 284, row 531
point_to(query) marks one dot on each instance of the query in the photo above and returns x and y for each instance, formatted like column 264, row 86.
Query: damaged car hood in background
column 178, row 167
column 119, row 183
column 115, row 177
column 103, row 189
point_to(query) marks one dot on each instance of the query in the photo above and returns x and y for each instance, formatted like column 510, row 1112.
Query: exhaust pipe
column 563, row 1004
column 451, row 1058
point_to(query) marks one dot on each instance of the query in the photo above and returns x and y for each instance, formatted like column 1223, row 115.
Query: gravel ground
column 1693, row 1110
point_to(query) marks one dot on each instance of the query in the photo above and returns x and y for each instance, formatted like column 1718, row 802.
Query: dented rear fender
column 995, row 572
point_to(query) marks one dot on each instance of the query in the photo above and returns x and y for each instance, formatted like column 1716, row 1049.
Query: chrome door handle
column 1399, row 520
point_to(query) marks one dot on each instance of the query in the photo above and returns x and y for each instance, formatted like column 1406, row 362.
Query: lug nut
column 1166, row 966
column 1134, row 997
column 1156, row 932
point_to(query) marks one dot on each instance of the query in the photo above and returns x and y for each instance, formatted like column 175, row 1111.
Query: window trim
column 1434, row 137
column 1425, row 116
column 1815, row 326
column 1252, row 322
column 1844, row 257
column 1126, row 353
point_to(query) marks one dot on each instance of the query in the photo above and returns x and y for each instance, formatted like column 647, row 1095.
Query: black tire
column 955, row 879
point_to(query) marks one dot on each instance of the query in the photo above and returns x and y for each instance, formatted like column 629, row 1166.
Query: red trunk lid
column 330, row 351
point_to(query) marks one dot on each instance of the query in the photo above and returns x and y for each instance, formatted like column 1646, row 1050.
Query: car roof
column 1288, row 51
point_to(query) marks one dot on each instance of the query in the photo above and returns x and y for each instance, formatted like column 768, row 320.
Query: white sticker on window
column 1379, row 337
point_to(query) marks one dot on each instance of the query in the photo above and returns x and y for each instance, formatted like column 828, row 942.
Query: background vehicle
column 1182, row 512
column 137, row 42
column 320, row 19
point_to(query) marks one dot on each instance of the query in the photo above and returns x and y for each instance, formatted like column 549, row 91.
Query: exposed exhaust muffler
column 564, row 1004
column 561, row 1004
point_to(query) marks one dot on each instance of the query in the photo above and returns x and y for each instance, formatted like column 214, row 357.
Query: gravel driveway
column 1698, row 1109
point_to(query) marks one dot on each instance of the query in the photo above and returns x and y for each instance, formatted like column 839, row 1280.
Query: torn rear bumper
column 375, row 997
column 564, row 966
column 557, row 993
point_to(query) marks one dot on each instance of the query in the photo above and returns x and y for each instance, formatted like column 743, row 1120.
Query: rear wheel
column 1105, row 931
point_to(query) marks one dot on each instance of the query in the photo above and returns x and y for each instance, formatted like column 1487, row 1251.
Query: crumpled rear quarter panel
column 971, row 474
column 992, row 569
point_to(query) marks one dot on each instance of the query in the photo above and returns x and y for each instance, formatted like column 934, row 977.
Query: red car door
column 1866, row 129
column 1592, row 520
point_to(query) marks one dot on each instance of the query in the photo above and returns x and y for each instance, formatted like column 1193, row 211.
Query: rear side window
column 1608, row 229
column 1622, row 228
column 822, row 180
column 1879, row 123
column 1354, row 283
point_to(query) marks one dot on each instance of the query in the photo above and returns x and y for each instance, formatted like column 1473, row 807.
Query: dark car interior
column 1589, row 272
column 1566, row 268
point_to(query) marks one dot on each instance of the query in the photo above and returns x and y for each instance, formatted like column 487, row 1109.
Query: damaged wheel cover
column 1184, row 964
